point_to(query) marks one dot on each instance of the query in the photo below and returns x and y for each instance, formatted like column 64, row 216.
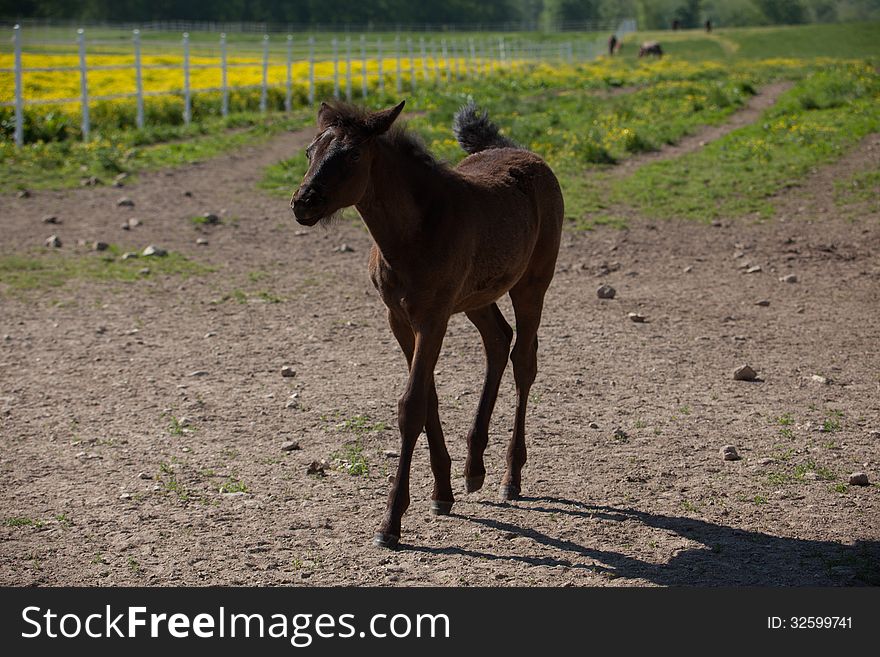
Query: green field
column 577, row 118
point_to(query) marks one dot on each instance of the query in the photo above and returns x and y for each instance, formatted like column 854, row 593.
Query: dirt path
column 101, row 487
column 749, row 114
column 816, row 194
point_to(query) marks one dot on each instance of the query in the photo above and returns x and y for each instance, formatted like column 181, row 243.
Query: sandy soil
column 92, row 373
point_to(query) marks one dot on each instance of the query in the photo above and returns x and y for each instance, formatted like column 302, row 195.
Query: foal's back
column 509, row 211
column 512, row 193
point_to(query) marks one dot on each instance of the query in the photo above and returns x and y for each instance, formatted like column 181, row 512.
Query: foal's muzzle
column 307, row 206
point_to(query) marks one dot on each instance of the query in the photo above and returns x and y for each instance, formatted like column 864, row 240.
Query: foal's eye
column 354, row 156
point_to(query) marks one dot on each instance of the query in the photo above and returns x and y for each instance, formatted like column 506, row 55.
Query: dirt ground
column 94, row 375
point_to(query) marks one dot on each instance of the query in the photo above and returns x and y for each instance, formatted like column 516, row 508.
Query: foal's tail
column 475, row 132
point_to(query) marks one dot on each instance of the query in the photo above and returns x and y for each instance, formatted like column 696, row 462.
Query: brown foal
column 446, row 240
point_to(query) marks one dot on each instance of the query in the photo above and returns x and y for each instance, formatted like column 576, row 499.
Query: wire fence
column 294, row 69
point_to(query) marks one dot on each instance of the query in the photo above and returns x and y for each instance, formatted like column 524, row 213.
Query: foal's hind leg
column 497, row 335
column 528, row 301
column 441, row 464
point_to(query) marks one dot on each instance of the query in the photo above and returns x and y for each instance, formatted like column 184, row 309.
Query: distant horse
column 612, row 44
column 446, row 240
column 650, row 48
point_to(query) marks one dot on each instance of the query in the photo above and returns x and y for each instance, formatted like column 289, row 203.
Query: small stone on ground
column 858, row 479
column 317, row 468
column 744, row 373
column 606, row 292
column 154, row 251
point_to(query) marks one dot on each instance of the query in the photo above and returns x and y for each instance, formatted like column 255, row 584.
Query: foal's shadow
column 725, row 557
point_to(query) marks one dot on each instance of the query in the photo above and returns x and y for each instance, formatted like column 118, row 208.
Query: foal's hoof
column 473, row 484
column 441, row 508
column 509, row 492
column 389, row 541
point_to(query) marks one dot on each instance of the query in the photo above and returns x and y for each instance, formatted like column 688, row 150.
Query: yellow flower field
column 163, row 81
column 205, row 73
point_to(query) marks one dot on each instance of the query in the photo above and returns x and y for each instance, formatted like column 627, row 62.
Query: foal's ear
column 327, row 116
column 379, row 122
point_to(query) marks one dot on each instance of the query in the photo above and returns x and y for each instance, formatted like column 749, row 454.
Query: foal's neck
column 402, row 185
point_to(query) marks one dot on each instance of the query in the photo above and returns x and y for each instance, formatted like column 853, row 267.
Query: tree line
column 545, row 14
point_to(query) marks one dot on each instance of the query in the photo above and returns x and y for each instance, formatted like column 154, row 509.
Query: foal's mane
column 353, row 118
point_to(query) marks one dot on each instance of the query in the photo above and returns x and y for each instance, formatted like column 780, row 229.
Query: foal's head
column 340, row 158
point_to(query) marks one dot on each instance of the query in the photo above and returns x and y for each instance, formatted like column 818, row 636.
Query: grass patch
column 233, row 486
column 23, row 522
column 830, row 425
column 689, row 507
column 785, row 420
column 61, row 164
column 863, row 187
column 351, row 459
column 167, row 479
column 778, row 478
column 176, row 427
column 362, row 424
column 48, row 268
column 812, row 124
column 800, row 471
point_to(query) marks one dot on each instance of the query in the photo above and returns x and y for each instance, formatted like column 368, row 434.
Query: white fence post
column 434, row 60
column 83, row 82
column 224, row 87
column 473, row 58
column 187, row 101
column 412, row 68
column 399, row 85
column 501, row 52
column 381, row 71
column 457, row 61
column 138, row 79
column 462, row 53
column 288, row 97
column 264, row 88
column 311, row 70
column 348, row 68
column 363, row 66
column 445, row 58
column 424, row 62
column 335, row 68
column 19, row 95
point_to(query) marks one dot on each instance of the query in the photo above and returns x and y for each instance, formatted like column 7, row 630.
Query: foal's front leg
column 412, row 414
column 442, row 498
